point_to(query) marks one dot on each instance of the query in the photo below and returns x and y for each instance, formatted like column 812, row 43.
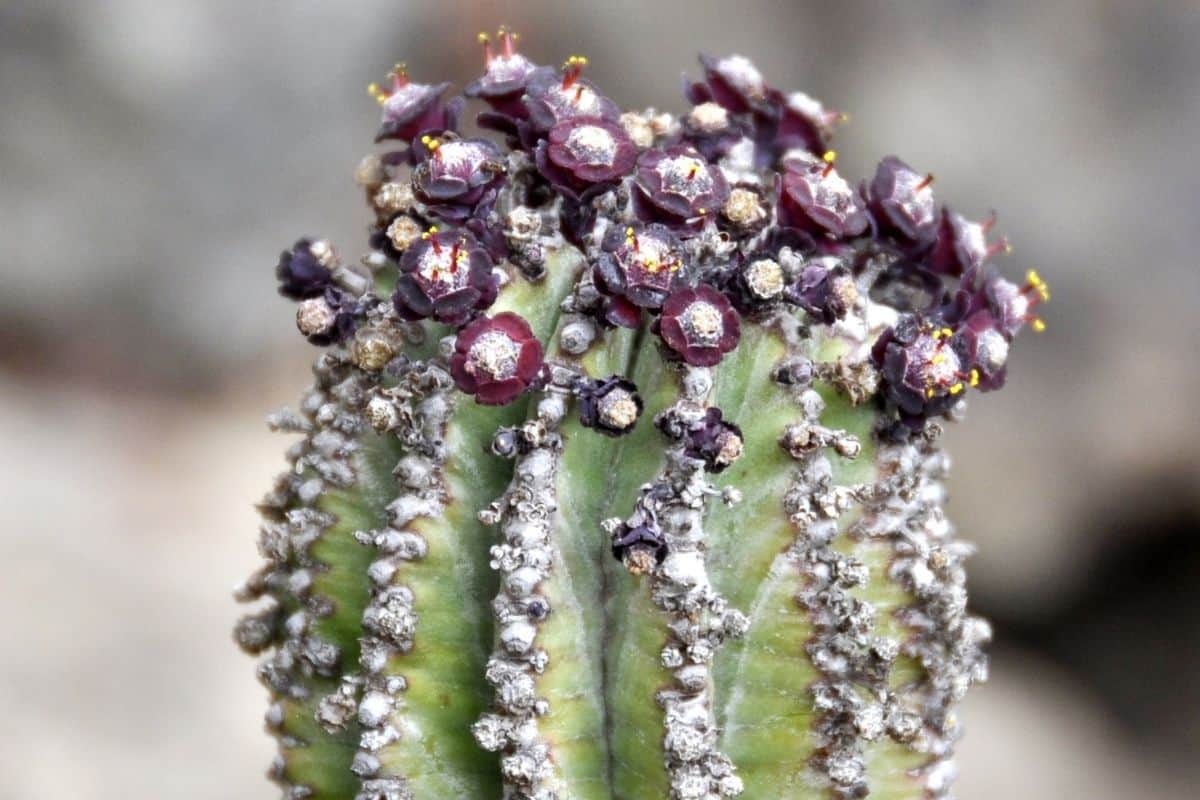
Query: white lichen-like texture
column 525, row 515
column 698, row 619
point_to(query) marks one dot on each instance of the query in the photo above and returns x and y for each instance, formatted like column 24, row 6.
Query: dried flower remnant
column 611, row 406
column 305, row 270
column 479, row 369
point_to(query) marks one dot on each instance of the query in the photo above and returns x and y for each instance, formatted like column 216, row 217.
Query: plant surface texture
column 620, row 473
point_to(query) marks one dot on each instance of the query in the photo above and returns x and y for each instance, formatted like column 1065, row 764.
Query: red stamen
column 925, row 182
column 692, row 172
column 399, row 77
column 488, row 55
column 507, row 38
column 828, row 169
column 988, row 223
column 437, row 247
column 997, row 247
column 454, row 259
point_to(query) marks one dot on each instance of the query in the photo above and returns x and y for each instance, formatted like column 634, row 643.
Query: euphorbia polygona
column 686, row 343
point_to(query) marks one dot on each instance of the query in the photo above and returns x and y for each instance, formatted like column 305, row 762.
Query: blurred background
column 156, row 155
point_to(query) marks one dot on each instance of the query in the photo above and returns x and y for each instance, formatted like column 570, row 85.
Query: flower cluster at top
column 732, row 213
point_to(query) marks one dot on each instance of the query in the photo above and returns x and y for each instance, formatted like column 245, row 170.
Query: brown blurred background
column 155, row 155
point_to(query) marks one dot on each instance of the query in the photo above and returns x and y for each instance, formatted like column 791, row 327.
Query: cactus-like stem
column 497, row 566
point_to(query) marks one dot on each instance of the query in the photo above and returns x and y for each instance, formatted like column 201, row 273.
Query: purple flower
column 1010, row 305
column 961, row 245
column 447, row 277
column 922, row 373
column 901, row 203
column 496, row 358
column 611, row 406
column 642, row 264
column 815, row 199
column 677, row 185
column 304, row 271
column 583, row 152
column 330, row 317
column 732, row 82
column 460, row 176
column 826, row 294
column 715, row 441
column 411, row 109
column 506, row 74
column 699, row 325
column 983, row 348
column 802, row 123
column 551, row 98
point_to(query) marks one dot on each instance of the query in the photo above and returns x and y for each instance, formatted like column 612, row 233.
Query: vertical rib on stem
column 526, row 514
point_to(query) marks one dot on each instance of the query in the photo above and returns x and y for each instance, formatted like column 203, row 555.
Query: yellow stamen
column 575, row 61
column 929, row 392
column 483, row 38
column 830, row 156
column 377, row 93
column 956, row 389
column 974, row 378
column 937, row 359
column 1038, row 326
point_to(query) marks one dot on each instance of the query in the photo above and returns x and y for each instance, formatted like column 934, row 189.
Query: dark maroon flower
column 714, row 441
column 330, row 317
column 304, row 271
column 551, row 98
column 619, row 312
column 815, row 199
column 732, row 82
column 611, row 406
column 678, row 185
column 802, row 123
column 1013, row 305
column 643, row 264
column 961, row 244
column 922, row 373
column 445, row 276
column 639, row 546
column 496, row 358
column 411, row 109
column 506, row 74
column 583, row 152
column 1010, row 305
column 459, row 177
column 700, row 325
column 825, row 293
column 900, row 200
column 983, row 348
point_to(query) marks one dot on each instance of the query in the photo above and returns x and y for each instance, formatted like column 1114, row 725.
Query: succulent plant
column 620, row 475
